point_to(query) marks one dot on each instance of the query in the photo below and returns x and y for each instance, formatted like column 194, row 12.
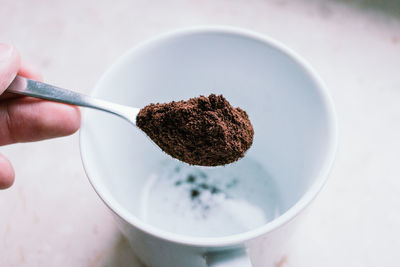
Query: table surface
column 52, row 216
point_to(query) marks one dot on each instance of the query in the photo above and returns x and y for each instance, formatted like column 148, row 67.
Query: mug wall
column 264, row 251
column 288, row 114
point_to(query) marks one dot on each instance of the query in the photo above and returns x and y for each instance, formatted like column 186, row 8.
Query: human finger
column 9, row 65
column 7, row 174
column 27, row 119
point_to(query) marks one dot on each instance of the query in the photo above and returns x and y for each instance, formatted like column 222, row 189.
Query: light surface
column 53, row 217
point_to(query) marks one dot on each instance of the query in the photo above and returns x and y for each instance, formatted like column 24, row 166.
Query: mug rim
column 282, row 219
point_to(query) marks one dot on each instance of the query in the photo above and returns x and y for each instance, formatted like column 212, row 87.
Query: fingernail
column 5, row 51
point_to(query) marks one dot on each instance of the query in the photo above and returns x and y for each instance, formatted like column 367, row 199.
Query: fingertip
column 65, row 119
column 72, row 119
column 10, row 62
column 51, row 119
column 7, row 174
column 30, row 71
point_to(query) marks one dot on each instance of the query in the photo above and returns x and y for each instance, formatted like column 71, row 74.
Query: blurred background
column 52, row 216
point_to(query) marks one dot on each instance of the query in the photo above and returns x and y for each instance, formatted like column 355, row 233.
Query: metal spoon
column 192, row 151
column 24, row 86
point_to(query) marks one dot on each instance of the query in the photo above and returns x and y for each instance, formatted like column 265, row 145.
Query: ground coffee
column 204, row 131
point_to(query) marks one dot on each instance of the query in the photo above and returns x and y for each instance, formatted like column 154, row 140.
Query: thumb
column 9, row 65
column 6, row 173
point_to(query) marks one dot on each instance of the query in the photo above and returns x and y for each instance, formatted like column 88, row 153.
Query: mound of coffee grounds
column 204, row 131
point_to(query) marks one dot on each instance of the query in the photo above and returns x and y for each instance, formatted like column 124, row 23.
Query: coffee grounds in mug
column 203, row 192
column 204, row 131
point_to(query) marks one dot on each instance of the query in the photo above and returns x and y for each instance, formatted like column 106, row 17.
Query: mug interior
column 292, row 116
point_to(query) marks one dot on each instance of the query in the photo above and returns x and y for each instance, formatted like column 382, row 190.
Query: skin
column 26, row 119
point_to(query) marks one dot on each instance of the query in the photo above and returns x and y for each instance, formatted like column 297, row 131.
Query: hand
column 26, row 119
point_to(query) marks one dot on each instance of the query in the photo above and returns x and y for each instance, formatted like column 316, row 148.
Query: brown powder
column 204, row 131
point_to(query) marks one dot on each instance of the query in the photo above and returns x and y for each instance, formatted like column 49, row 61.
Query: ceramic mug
column 244, row 209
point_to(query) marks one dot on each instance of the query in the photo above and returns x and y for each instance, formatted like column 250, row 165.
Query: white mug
column 246, row 208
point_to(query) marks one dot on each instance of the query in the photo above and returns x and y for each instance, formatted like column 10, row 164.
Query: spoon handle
column 28, row 87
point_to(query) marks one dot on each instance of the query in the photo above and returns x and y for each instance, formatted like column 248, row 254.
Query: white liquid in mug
column 209, row 202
